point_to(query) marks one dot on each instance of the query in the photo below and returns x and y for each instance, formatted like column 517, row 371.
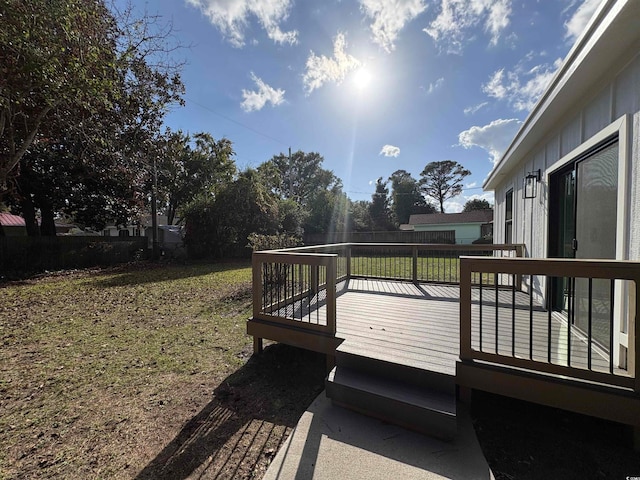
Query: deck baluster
column 549, row 310
column 530, row 317
column 495, row 282
column 513, row 315
column 611, row 324
column 590, row 325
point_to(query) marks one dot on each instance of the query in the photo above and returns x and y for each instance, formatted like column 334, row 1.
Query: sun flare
column 362, row 78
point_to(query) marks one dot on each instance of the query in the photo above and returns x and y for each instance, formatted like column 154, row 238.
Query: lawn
column 142, row 371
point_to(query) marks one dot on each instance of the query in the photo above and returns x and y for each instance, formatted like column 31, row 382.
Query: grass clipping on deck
column 142, row 371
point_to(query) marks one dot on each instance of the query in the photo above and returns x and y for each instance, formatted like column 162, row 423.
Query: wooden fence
column 36, row 254
column 443, row 236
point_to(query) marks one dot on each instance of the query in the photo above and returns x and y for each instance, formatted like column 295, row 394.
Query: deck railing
column 291, row 285
column 596, row 302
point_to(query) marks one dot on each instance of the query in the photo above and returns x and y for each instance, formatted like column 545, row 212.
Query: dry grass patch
column 101, row 370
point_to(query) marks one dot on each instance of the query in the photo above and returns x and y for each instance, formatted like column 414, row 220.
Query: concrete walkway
column 332, row 443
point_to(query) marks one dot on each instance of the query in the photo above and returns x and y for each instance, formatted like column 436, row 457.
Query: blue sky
column 372, row 85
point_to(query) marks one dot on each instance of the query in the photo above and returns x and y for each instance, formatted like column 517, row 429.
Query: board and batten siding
column 614, row 97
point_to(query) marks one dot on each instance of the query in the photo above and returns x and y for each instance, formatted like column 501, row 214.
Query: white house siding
column 620, row 96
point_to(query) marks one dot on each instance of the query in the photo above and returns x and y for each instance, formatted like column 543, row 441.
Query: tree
column 220, row 226
column 379, row 210
column 53, row 54
column 406, row 198
column 442, row 180
column 476, row 204
column 300, row 176
column 90, row 75
column 328, row 212
column 185, row 171
column 360, row 217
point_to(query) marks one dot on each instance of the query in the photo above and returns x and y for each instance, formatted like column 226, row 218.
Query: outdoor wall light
column 530, row 184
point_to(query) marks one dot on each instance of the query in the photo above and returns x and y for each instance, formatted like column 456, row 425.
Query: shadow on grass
column 241, row 428
column 150, row 272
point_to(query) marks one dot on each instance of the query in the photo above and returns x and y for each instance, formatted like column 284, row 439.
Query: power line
column 407, row 193
column 236, row 122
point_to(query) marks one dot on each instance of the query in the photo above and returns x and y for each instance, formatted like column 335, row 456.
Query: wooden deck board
column 419, row 325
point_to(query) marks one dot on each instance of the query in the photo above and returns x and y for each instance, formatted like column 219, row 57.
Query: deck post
column 331, row 294
column 414, row 275
column 465, row 309
column 348, row 259
column 256, row 273
column 519, row 254
column 257, row 345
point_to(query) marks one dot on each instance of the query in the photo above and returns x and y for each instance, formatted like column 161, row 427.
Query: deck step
column 408, row 369
column 411, row 406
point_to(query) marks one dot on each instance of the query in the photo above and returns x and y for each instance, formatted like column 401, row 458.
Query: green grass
column 86, row 354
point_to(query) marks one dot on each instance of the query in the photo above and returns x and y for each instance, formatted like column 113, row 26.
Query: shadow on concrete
column 333, row 442
column 243, row 426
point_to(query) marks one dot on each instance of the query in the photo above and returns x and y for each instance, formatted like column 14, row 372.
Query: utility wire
column 236, row 122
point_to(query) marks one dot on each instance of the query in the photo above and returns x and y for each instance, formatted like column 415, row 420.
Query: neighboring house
column 12, row 225
column 468, row 226
column 138, row 230
column 576, row 159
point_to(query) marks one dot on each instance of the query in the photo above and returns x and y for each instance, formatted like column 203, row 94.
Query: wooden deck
column 419, row 326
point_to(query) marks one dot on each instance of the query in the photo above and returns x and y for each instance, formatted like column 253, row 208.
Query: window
column 508, row 218
column 123, row 233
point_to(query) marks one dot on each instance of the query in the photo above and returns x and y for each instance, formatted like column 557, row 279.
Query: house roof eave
column 612, row 29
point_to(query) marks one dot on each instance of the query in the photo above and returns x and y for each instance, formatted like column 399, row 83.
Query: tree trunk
column 29, row 214
column 47, row 222
column 171, row 213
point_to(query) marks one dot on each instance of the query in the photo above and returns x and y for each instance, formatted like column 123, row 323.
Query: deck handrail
column 613, row 270
column 309, row 282
column 321, row 267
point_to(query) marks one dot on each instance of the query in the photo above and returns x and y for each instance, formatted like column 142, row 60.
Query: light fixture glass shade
column 530, row 184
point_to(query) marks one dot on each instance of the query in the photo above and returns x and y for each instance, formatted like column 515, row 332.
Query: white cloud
column 522, row 87
column 321, row 69
column 232, row 16
column 435, row 85
column 471, row 185
column 475, row 108
column 453, row 206
column 255, row 100
column 488, row 196
column 494, row 137
column 577, row 23
column 390, row 151
column 389, row 17
column 456, row 204
column 457, row 17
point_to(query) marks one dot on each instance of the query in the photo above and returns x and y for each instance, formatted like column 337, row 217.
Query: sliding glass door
column 583, row 216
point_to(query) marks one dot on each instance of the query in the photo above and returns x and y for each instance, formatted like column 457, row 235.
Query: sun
column 362, row 78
